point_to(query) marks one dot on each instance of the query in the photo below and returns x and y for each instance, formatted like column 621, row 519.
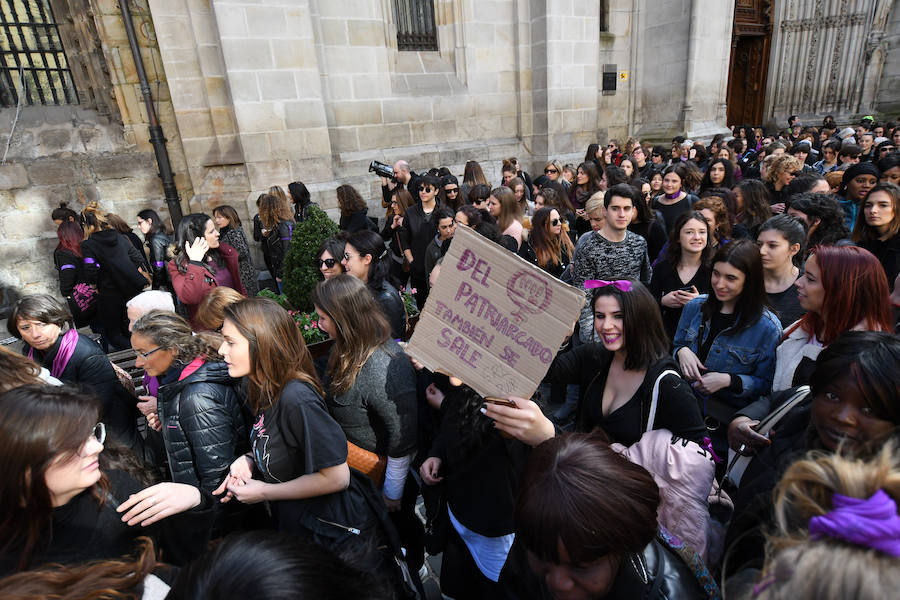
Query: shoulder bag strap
column 654, row 403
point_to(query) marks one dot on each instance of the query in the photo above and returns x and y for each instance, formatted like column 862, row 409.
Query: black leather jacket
column 391, row 303
column 158, row 244
column 203, row 426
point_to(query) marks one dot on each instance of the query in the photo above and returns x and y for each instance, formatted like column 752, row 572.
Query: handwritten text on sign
column 492, row 319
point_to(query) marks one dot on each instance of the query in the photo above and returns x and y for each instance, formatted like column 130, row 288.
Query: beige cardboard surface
column 492, row 319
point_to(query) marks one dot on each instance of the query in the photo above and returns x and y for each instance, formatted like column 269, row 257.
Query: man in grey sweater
column 612, row 253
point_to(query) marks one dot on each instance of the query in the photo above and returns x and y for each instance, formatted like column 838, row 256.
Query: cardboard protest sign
column 492, row 319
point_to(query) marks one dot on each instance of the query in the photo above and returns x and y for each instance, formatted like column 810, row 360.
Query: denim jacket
column 749, row 353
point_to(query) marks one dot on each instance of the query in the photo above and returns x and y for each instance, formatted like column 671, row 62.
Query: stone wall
column 74, row 155
column 887, row 99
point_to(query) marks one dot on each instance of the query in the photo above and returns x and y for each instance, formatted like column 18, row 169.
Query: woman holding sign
column 619, row 377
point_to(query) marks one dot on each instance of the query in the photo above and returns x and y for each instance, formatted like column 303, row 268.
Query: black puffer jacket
column 159, row 243
column 89, row 367
column 202, row 423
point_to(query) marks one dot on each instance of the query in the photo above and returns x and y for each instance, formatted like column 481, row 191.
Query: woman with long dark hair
column 878, row 226
column 113, row 264
column 157, row 241
column 751, row 207
column 354, row 212
column 400, row 202
column 549, row 246
column 587, row 183
column 725, row 342
column 858, row 180
column 298, row 456
column 780, row 242
column 365, row 257
column 229, row 225
column 201, row 262
column 645, row 224
column 371, row 392
column 720, row 174
column 62, row 502
column 683, row 273
column 823, row 217
column 675, row 198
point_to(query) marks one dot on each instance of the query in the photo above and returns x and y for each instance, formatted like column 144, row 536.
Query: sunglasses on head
column 328, row 262
column 550, row 171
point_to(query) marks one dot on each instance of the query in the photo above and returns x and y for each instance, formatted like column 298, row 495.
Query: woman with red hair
column 68, row 261
column 843, row 288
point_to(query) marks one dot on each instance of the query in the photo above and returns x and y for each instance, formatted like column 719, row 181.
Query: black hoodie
column 111, row 263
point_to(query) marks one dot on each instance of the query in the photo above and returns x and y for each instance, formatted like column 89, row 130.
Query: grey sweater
column 598, row 258
column 378, row 413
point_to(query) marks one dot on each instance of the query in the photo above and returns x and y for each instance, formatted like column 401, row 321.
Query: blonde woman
column 779, row 173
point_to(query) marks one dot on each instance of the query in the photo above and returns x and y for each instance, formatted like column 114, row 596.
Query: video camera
column 382, row 169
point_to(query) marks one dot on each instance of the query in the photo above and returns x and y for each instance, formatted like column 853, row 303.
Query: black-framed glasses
column 451, row 190
column 348, row 256
column 146, row 355
column 550, row 171
column 98, row 434
column 610, row 145
column 427, row 189
column 554, row 222
column 328, row 262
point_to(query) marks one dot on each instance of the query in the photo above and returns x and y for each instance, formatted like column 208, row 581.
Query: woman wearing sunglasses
column 329, row 256
column 549, row 246
column 63, row 502
column 366, row 258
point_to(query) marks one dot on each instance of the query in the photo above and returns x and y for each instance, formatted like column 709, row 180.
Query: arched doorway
column 749, row 65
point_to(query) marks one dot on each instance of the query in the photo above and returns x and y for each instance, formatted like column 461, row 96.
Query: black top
column 665, row 279
column 357, row 221
column 588, row 365
column 719, row 323
column 296, row 437
column 655, row 234
column 670, row 212
column 786, row 305
column 481, row 477
column 139, row 246
column 416, row 233
column 83, row 530
column 391, row 304
column 888, row 252
column 111, row 262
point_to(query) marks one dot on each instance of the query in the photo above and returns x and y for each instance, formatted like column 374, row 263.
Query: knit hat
column 863, row 168
column 449, row 180
column 846, row 132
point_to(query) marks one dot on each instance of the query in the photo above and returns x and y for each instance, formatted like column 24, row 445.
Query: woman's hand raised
column 524, row 421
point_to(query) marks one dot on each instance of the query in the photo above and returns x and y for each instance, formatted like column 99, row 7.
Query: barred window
column 32, row 60
column 415, row 25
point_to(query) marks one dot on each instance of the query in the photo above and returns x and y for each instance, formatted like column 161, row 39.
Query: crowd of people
column 720, row 418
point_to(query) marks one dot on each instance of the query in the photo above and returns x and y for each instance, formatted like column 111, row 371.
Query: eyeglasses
column 550, row 171
column 98, row 433
column 348, row 256
column 451, row 190
column 554, row 222
column 610, row 145
column 146, row 355
column 328, row 262
column 427, row 189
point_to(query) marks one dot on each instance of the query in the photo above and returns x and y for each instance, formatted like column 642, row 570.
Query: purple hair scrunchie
column 871, row 523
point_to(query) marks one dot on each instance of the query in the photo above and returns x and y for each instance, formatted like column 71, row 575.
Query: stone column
column 709, row 49
column 272, row 71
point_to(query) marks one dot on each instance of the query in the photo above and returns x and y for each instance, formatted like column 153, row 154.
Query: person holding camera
column 399, row 175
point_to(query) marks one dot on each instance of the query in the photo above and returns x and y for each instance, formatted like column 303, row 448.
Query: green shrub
column 301, row 274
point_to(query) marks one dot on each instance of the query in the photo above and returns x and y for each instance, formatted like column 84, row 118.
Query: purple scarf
column 65, row 352
column 870, row 523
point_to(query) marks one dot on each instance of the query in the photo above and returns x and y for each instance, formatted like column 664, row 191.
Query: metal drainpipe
column 156, row 132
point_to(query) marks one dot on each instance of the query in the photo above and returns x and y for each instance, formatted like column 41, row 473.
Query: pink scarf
column 65, row 352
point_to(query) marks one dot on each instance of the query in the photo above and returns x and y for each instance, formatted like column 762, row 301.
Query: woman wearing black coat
column 115, row 267
column 354, row 212
column 42, row 323
column 157, row 242
column 198, row 410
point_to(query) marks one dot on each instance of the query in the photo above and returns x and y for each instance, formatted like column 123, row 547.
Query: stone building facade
column 256, row 93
